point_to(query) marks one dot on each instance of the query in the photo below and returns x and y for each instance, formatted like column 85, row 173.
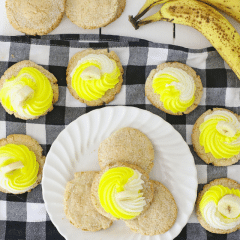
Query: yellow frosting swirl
column 94, row 75
column 176, row 89
column 120, row 192
column 18, row 180
column 29, row 93
column 209, row 207
column 220, row 134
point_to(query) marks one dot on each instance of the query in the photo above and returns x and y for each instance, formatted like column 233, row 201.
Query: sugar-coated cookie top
column 29, row 93
column 175, row 87
column 120, row 192
column 93, row 75
column 220, row 134
column 220, row 207
column 18, row 168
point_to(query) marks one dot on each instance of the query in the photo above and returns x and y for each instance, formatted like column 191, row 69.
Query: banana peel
column 147, row 6
column 204, row 18
column 230, row 7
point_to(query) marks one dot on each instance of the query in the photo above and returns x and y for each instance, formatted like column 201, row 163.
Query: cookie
column 78, row 205
column 114, row 177
column 91, row 14
column 224, row 183
column 127, row 145
column 176, row 98
column 224, row 150
column 94, row 77
column 35, row 17
column 35, row 98
column 32, row 145
column 160, row 216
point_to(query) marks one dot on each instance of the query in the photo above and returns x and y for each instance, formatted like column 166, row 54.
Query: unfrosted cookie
column 160, row 216
column 127, row 145
column 78, row 206
column 35, row 17
column 91, row 14
column 32, row 145
column 89, row 88
column 225, row 182
column 173, row 104
column 41, row 105
column 115, row 182
column 211, row 132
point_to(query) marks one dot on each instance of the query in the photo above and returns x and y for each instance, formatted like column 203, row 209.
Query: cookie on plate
column 159, row 217
column 35, row 17
column 216, row 137
column 27, row 90
column 127, row 145
column 174, row 88
column 121, row 191
column 78, row 206
column 94, row 77
column 91, row 14
column 218, row 206
column 21, row 164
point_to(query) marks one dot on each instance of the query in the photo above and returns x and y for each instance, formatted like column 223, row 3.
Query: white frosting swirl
column 228, row 117
column 131, row 199
column 210, row 217
column 106, row 64
column 185, row 84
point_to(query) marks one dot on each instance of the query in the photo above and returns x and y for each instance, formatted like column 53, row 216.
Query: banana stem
column 154, row 18
column 147, row 6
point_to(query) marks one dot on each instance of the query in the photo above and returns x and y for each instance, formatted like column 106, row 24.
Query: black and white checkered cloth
column 24, row 216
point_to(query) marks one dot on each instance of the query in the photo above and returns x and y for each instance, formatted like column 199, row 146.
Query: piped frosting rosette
column 18, row 168
column 220, row 207
column 220, row 134
column 175, row 87
column 29, row 93
column 120, row 192
column 93, row 75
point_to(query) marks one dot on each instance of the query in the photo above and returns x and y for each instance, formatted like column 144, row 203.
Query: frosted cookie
column 78, row 206
column 35, row 17
column 21, row 164
column 218, row 206
column 94, row 77
column 174, row 88
column 27, row 90
column 160, row 216
column 216, row 137
column 127, row 145
column 91, row 14
column 121, row 191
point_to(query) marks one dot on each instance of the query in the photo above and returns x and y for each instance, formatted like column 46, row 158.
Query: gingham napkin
column 24, row 216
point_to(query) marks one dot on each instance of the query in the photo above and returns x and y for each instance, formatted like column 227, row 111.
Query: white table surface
column 161, row 32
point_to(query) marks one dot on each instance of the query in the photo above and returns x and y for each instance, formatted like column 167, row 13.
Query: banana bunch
column 204, row 18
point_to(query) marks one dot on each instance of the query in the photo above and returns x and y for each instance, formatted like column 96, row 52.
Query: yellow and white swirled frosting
column 220, row 207
column 120, row 192
column 175, row 87
column 18, row 168
column 93, row 75
column 220, row 134
column 29, row 93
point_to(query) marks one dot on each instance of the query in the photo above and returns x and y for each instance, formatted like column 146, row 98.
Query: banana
column 90, row 73
column 226, row 129
column 229, row 206
column 22, row 95
column 147, row 6
column 217, row 29
column 10, row 167
column 230, row 7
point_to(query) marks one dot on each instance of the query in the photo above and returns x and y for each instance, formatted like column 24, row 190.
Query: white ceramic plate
column 76, row 148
